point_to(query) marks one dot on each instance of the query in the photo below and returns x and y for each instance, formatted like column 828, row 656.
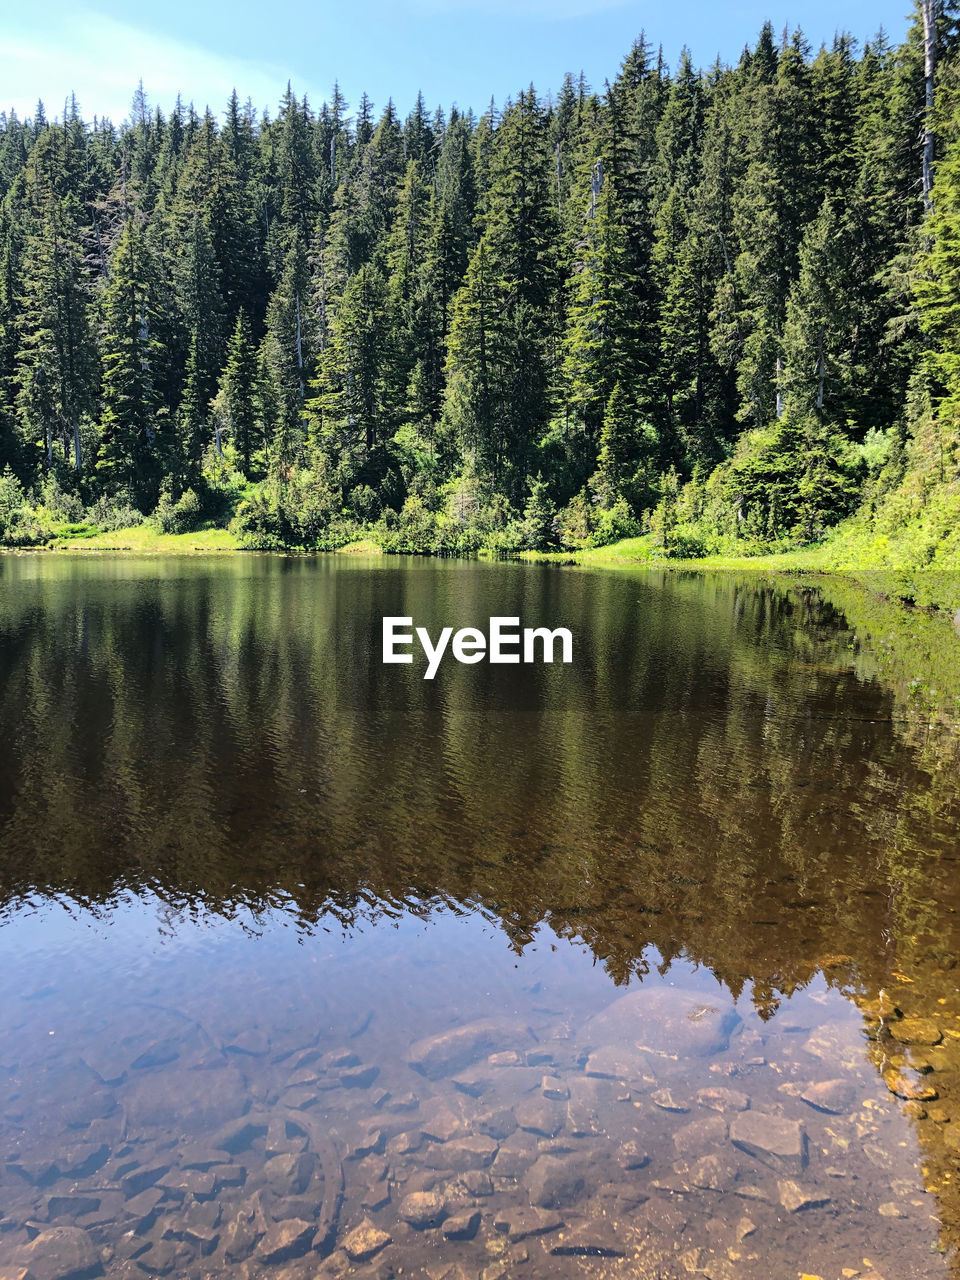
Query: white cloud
column 101, row 60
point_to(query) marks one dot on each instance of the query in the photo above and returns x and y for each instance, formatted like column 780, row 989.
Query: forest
column 717, row 309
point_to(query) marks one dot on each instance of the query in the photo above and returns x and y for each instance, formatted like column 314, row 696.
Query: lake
column 641, row 966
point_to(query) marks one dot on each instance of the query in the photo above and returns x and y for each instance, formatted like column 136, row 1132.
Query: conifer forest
column 718, row 307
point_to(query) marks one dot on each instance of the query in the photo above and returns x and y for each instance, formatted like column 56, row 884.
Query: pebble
column 772, row 1139
column 365, row 1241
column 832, row 1096
column 422, row 1209
column 462, row 1226
column 916, row 1031
column 538, row 1116
column 721, row 1099
column 448, row 1052
column 59, row 1254
column 552, row 1182
column 666, row 1100
column 794, row 1198
column 520, row 1224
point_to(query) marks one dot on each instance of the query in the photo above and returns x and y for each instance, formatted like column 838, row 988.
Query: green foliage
column 182, row 516
column 705, row 306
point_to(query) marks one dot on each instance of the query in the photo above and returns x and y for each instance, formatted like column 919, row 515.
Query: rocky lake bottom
column 662, row 1131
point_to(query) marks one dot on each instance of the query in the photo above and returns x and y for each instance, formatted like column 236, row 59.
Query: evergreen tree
column 236, row 398
column 54, row 368
column 131, row 440
column 198, row 278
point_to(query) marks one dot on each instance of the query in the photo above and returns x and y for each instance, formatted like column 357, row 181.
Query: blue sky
column 454, row 50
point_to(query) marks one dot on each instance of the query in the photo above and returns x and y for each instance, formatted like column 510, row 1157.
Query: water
column 644, row 966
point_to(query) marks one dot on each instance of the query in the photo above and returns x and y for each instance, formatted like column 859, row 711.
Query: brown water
column 641, row 967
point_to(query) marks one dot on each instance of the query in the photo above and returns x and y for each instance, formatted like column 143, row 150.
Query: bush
column 610, row 524
column 20, row 526
column 182, row 516
column 109, row 514
column 258, row 523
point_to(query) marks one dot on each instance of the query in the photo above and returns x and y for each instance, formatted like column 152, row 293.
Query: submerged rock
column 462, row 1226
column 700, row 1135
column 667, row 1101
column 289, row 1175
column 62, row 1253
column 794, row 1198
column 832, row 1096
column 620, row 1062
column 596, row 1239
column 450, row 1051
column 552, row 1182
column 665, row 1022
column 774, row 1140
column 838, row 1044
column 460, row 1154
column 423, row 1209
column 284, row 1240
column 521, row 1224
column 911, row 1090
column 185, row 1100
column 538, row 1116
column 721, row 1099
column 916, row 1031
column 365, row 1241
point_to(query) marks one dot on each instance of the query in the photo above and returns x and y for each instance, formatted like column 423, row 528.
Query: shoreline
column 932, row 589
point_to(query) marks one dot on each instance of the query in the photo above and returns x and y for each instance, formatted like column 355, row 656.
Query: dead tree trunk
column 928, row 10
column 299, row 349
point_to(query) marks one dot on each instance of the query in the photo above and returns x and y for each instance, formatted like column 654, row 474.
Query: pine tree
column 289, row 354
column 130, row 448
column 54, row 369
column 501, row 369
column 355, row 393
column 198, row 279
column 603, row 342
column 618, row 448
column 236, row 398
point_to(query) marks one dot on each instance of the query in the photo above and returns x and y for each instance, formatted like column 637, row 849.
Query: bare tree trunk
column 779, row 392
column 77, row 454
column 323, row 293
column 820, row 373
column 596, row 186
column 928, row 10
column 299, row 348
column 103, row 261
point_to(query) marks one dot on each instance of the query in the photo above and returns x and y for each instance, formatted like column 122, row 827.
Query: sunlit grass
column 145, row 539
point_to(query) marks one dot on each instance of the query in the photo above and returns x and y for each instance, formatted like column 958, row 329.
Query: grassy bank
column 147, row 539
column 894, row 568
column 899, row 567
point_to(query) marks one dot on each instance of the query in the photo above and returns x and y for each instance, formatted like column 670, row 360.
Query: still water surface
column 639, row 967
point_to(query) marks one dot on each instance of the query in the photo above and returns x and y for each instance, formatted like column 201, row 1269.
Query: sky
column 462, row 51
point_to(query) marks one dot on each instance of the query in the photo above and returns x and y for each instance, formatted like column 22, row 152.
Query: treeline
column 720, row 307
